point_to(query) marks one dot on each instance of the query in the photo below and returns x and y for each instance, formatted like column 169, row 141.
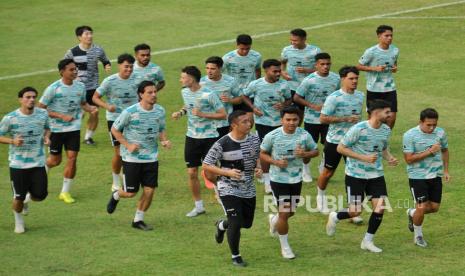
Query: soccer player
column 144, row 69
column 380, row 61
column 365, row 145
column 86, row 56
column 298, row 59
column 138, row 128
column 121, row 92
column 203, row 109
column 286, row 149
column 312, row 93
column 26, row 130
column 224, row 86
column 341, row 110
column 427, row 156
column 271, row 94
column 64, row 100
column 243, row 64
column 234, row 159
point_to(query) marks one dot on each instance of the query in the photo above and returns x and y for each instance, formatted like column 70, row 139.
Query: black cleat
column 410, row 221
column 89, row 142
column 142, row 226
column 111, row 206
column 237, row 261
column 219, row 235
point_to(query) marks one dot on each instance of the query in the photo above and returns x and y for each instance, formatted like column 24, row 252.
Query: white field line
column 204, row 45
column 424, row 17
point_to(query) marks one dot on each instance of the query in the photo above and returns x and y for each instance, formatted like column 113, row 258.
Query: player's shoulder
column 203, row 79
column 333, row 75
column 159, row 108
column 336, row 94
column 385, row 128
column 55, row 84
column 97, row 47
column 439, row 131
column 12, row 114
column 393, row 48
column 359, row 94
column 40, row 111
column 311, row 47
column 288, row 48
column 412, row 132
column 253, row 137
column 133, row 108
column 228, row 78
column 113, row 77
column 230, row 54
column 282, row 82
column 254, row 54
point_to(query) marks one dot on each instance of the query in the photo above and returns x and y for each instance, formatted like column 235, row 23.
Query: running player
column 86, row 56
column 203, row 109
column 380, row 61
column 64, row 100
column 26, row 130
column 121, row 92
column 286, row 149
column 224, row 86
column 271, row 94
column 365, row 145
column 138, row 129
column 144, row 69
column 427, row 156
column 312, row 93
column 234, row 159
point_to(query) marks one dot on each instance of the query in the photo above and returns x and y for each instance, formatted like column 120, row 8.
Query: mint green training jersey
column 151, row 72
column 375, row 56
column 242, row 68
column 299, row 58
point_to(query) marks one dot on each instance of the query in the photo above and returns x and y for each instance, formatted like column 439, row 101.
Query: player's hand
column 196, row 112
column 370, row 158
column 299, row 152
column 111, row 108
column 258, row 172
column 225, row 98
column 92, row 109
column 285, row 76
column 446, row 176
column 166, row 144
column 235, row 174
column 47, row 141
column 353, row 118
column 176, row 115
column 18, row 141
column 281, row 163
column 107, row 68
column 392, row 161
column 67, row 118
column 394, row 69
column 278, row 106
column 301, row 70
column 316, row 107
column 257, row 112
column 379, row 68
column 435, row 148
column 132, row 148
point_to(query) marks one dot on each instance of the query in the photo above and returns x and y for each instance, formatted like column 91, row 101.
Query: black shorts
column 424, row 190
column 113, row 140
column 263, row 130
column 242, row 106
column 390, row 97
column 139, row 174
column 89, row 95
column 286, row 193
column 222, row 131
column 357, row 188
column 70, row 140
column 299, row 106
column 195, row 150
column 331, row 156
column 239, row 207
column 318, row 132
column 33, row 180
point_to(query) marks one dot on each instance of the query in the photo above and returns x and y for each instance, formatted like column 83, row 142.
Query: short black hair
column 192, row 71
column 244, row 39
column 232, row 118
column 143, row 85
column 291, row 109
column 271, row 62
column 141, row 46
column 382, row 28
column 215, row 60
column 27, row 89
column 428, row 113
column 299, row 32
column 377, row 104
column 126, row 57
column 64, row 62
column 81, row 29
column 322, row 56
column 346, row 69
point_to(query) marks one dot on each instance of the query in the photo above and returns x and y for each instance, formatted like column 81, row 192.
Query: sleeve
column 249, row 91
column 338, row 85
column 351, row 137
column 215, row 101
column 160, row 76
column 235, row 89
column 386, row 142
column 104, row 88
column 284, row 55
column 162, row 120
column 214, row 154
column 444, row 141
column 287, row 91
column 5, row 126
column 258, row 65
column 47, row 121
column 267, row 144
column 122, row 121
column 407, row 143
column 48, row 96
column 103, row 57
column 329, row 106
column 68, row 55
column 224, row 69
column 303, row 88
column 366, row 58
column 83, row 94
column 309, row 142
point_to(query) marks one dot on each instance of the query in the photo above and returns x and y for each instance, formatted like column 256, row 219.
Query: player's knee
column 247, row 223
column 354, row 213
column 39, row 197
column 434, row 208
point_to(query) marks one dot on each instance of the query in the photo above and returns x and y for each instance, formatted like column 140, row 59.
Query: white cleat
column 287, row 253
column 115, row 187
column 322, row 205
column 260, row 179
column 25, row 211
column 273, row 231
column 357, row 220
column 306, row 176
column 195, row 212
column 268, row 189
column 331, row 224
column 420, row 241
column 19, row 228
column 370, row 246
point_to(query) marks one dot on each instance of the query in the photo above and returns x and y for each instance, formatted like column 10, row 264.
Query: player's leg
column 92, row 122
column 263, row 130
column 56, row 146
column 19, row 185
column 149, row 182
column 314, row 132
column 391, row 97
column 116, row 161
column 331, row 161
column 132, row 173
column 72, row 146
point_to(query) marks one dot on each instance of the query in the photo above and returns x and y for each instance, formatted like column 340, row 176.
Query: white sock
column 412, row 212
column 139, row 216
column 18, row 218
column 368, row 237
column 266, row 178
column 116, row 179
column 221, row 226
column 199, row 205
column 27, row 199
column 283, row 241
column 418, row 230
column 321, row 192
column 116, row 195
column 235, row 256
column 306, row 168
column 47, row 169
column 66, row 185
column 89, row 134
column 274, row 220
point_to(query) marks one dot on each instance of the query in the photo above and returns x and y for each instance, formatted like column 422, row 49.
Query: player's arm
column 346, row 151
column 220, row 114
column 164, row 140
column 160, row 85
column 413, row 157
column 284, row 73
column 16, row 141
column 56, row 115
column 88, row 108
column 178, row 114
column 392, row 161
column 445, row 163
column 233, row 173
column 105, row 61
column 301, row 100
column 119, row 136
column 266, row 157
column 326, row 119
column 97, row 99
column 366, row 68
column 47, row 134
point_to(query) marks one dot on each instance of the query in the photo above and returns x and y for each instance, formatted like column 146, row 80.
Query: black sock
column 374, row 222
column 343, row 214
column 234, row 235
column 225, row 224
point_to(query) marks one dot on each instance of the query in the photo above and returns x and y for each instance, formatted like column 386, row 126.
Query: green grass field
column 83, row 239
